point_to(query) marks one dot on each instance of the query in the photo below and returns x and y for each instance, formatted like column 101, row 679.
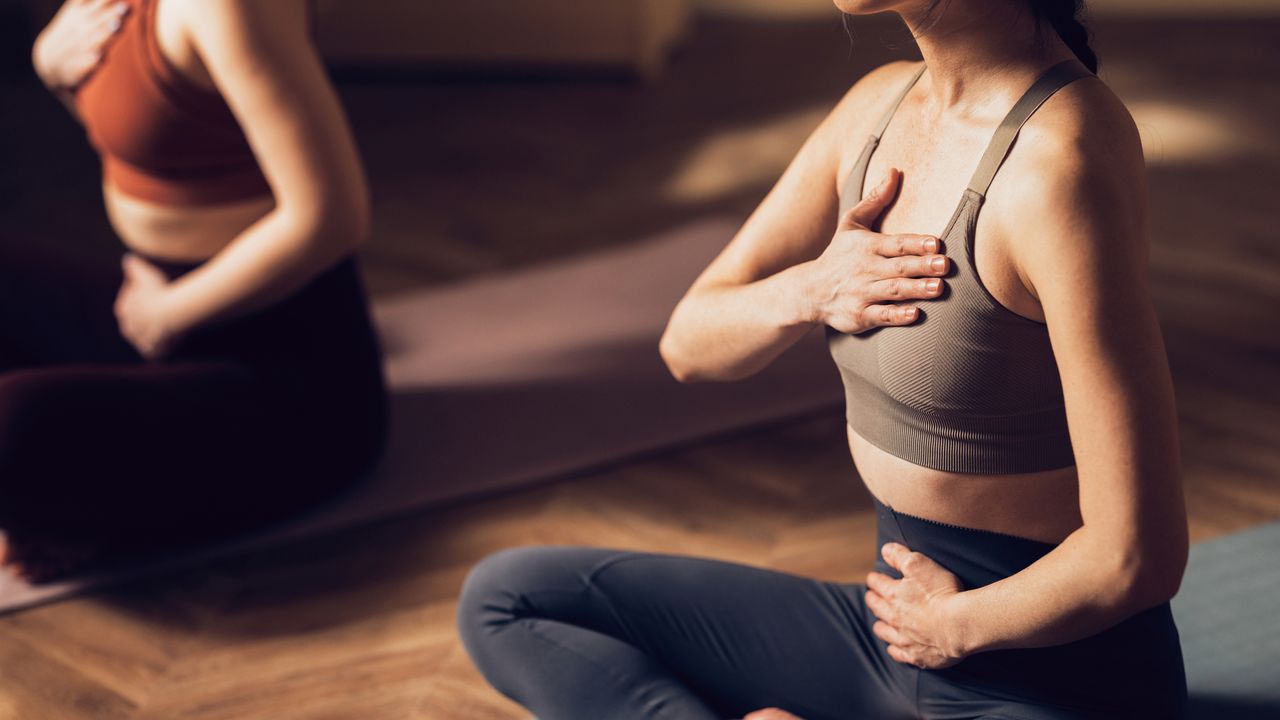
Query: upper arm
column 796, row 220
column 261, row 58
column 1083, row 250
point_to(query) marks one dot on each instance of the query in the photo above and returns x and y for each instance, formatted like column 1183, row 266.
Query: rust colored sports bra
column 161, row 137
column 971, row 386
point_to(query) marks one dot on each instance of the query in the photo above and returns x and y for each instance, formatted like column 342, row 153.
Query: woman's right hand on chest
column 72, row 44
column 865, row 279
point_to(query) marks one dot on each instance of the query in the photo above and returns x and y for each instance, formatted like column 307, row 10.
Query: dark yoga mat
column 1228, row 614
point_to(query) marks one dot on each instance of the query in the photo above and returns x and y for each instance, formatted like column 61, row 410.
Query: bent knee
column 494, row 583
column 491, row 595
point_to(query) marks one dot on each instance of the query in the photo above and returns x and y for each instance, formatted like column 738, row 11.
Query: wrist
column 804, row 308
column 962, row 636
column 171, row 316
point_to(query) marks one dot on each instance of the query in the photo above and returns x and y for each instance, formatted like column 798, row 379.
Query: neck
column 978, row 50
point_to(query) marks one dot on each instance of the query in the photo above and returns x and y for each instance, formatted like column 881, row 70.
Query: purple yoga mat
column 512, row 378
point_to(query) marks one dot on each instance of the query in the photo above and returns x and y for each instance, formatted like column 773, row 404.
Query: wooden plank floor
column 472, row 177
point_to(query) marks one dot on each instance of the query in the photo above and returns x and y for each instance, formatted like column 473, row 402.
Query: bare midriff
column 1040, row 506
column 180, row 233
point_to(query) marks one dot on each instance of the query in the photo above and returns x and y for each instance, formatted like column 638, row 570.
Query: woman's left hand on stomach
column 915, row 612
column 142, row 308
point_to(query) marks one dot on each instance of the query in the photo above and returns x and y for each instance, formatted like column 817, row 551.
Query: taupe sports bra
column 971, row 386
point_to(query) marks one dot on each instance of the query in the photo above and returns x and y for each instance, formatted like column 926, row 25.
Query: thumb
column 901, row 558
column 865, row 213
column 135, row 268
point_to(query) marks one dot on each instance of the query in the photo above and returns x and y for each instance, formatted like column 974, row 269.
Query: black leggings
column 244, row 424
column 582, row 634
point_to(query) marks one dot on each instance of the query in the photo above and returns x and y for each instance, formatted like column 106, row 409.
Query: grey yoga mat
column 526, row 375
column 1230, row 628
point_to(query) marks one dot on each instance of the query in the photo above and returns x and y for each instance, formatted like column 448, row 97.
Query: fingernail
column 938, row 264
column 932, row 284
column 931, row 245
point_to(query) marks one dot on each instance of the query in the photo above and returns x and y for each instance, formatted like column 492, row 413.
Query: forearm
column 728, row 333
column 268, row 262
column 1085, row 585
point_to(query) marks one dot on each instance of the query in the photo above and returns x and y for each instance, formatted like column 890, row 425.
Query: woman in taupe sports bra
column 1009, row 408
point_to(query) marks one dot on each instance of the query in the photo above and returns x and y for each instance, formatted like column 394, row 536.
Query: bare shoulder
column 1077, row 162
column 244, row 18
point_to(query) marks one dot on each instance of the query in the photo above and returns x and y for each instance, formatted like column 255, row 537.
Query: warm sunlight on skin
column 742, row 157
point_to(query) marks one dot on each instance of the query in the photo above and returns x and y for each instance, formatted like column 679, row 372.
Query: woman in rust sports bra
column 969, row 232
column 225, row 374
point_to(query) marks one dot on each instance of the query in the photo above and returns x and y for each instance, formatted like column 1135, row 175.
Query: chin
column 867, row 7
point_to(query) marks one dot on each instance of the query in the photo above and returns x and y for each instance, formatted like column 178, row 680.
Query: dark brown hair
column 1066, row 19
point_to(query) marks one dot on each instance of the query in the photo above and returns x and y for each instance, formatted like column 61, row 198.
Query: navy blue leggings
column 578, row 633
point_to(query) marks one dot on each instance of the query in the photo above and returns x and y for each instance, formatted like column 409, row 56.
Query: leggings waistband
column 977, row 557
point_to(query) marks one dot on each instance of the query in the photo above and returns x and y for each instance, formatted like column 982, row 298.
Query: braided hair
column 1064, row 16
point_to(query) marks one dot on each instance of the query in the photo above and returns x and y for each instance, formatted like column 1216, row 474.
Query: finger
column 110, row 25
column 914, row 266
column 118, row 10
column 889, row 633
column 907, row 244
column 880, row 607
column 906, row 561
column 876, row 315
column 894, row 554
column 884, row 585
column 108, row 7
column 905, row 289
column 865, row 213
column 902, row 656
column 109, row 21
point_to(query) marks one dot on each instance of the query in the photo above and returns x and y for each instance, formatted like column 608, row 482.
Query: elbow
column 685, row 369
column 338, row 228
column 684, row 364
column 1153, row 575
column 352, row 225
column 677, row 362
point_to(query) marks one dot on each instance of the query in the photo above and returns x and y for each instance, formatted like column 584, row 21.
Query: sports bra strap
column 1041, row 90
column 884, row 122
